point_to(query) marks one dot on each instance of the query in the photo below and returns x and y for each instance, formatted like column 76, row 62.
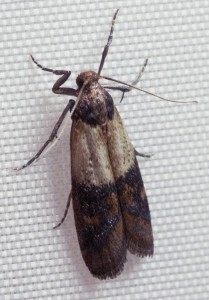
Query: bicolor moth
column 110, row 206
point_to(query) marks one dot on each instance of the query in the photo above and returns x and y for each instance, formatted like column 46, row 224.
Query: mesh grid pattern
column 37, row 262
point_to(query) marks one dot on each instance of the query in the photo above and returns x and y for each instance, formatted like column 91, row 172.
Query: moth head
column 87, row 77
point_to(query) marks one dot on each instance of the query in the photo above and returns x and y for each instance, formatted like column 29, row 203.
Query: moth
column 110, row 205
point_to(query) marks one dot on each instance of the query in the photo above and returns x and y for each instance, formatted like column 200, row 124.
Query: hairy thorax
column 96, row 105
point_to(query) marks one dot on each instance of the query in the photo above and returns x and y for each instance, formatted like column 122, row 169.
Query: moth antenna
column 109, row 41
column 147, row 92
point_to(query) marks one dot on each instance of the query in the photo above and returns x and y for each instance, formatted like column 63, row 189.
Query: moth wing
column 96, row 207
column 130, row 189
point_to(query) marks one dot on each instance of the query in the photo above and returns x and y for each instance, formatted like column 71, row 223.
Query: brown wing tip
column 113, row 273
column 139, row 250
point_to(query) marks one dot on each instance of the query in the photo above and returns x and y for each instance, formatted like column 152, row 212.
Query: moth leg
column 52, row 138
column 142, row 154
column 57, row 86
column 141, row 72
column 66, row 211
column 124, row 89
column 109, row 41
column 121, row 88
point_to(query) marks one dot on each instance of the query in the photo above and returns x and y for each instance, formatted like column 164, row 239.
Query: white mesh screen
column 37, row 262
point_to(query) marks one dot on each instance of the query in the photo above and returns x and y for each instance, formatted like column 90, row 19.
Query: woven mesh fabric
column 37, row 262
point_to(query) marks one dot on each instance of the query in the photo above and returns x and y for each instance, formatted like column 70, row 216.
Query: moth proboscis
column 110, row 205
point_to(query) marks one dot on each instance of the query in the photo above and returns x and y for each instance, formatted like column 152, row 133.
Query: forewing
column 130, row 189
column 97, row 211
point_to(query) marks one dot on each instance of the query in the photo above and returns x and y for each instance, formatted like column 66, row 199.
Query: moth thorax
column 88, row 76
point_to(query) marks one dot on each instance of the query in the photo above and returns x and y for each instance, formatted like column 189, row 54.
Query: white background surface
column 37, row 262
